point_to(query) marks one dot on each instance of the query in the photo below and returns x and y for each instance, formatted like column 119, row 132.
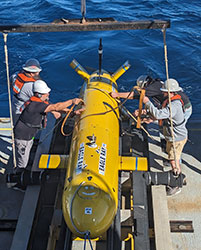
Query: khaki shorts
column 179, row 145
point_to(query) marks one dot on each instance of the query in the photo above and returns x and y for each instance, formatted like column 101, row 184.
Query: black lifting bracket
column 90, row 24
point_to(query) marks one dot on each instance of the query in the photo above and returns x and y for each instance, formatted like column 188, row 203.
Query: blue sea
column 143, row 48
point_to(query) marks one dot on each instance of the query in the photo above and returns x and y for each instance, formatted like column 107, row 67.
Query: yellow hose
column 130, row 237
column 64, row 121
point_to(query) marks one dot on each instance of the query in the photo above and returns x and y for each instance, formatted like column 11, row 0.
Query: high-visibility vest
column 20, row 81
column 165, row 103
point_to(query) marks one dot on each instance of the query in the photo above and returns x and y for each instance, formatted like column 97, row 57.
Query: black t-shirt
column 153, row 90
column 31, row 116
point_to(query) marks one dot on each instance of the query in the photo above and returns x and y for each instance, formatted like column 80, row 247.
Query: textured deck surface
column 11, row 200
column 184, row 206
column 187, row 204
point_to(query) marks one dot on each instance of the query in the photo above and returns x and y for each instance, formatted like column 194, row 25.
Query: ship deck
column 177, row 219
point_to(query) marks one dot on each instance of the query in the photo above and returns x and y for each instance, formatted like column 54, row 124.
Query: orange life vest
column 20, row 81
column 37, row 99
column 32, row 99
column 165, row 103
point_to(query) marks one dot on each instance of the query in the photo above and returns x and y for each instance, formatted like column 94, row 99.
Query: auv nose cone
column 90, row 209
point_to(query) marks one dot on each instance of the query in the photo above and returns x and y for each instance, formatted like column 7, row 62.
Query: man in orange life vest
column 153, row 90
column 179, row 129
column 31, row 120
column 22, row 84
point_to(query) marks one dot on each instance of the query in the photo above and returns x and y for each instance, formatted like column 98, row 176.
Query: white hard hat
column 41, row 87
column 173, row 86
column 32, row 65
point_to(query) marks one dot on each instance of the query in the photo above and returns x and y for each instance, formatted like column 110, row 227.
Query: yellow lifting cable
column 130, row 237
column 9, row 97
column 170, row 104
column 142, row 94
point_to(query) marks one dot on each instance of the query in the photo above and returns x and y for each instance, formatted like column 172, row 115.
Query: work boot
column 170, row 191
column 19, row 187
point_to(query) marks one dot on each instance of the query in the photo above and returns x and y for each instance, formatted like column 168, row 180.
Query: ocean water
column 143, row 48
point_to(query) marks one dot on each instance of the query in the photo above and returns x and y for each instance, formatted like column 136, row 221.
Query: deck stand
column 26, row 218
column 159, row 198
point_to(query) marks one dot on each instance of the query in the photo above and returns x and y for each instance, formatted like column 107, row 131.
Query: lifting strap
column 9, row 98
column 142, row 94
column 170, row 105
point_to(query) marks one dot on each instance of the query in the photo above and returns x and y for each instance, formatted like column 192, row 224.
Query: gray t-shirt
column 179, row 129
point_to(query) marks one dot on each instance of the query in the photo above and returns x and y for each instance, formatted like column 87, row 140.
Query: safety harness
column 44, row 117
column 20, row 81
column 164, row 104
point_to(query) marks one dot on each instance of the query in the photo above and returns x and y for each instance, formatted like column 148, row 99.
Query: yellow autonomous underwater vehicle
column 90, row 195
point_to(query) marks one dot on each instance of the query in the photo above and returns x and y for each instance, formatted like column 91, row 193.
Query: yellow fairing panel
column 53, row 161
column 79, row 69
column 121, row 70
column 133, row 163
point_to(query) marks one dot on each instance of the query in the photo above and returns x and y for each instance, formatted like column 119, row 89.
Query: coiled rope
column 169, row 99
column 9, row 98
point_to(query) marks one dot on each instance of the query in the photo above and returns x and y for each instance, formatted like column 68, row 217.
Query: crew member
column 179, row 128
column 30, row 121
column 153, row 90
column 152, row 87
column 22, row 85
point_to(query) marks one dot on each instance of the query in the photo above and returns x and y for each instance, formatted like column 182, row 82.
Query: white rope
column 9, row 97
column 169, row 99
